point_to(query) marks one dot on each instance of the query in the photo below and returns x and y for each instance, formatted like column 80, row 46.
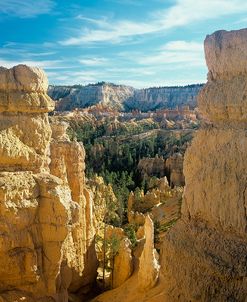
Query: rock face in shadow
column 174, row 166
column 42, row 216
column 204, row 255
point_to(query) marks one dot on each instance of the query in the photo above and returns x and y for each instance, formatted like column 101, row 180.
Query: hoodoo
column 46, row 227
column 204, row 255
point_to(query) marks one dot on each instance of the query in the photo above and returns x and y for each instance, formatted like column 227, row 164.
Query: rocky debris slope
column 204, row 255
column 123, row 97
column 42, row 231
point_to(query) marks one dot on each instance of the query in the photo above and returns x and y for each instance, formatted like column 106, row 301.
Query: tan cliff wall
column 124, row 97
column 204, row 256
column 84, row 96
column 42, row 216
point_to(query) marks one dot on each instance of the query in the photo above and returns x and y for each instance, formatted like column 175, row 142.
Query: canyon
column 51, row 215
column 124, row 98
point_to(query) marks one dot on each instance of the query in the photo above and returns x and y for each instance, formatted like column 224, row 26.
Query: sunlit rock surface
column 46, row 225
column 204, row 255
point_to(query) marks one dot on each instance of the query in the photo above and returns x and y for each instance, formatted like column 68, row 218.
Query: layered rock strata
column 84, row 96
column 24, row 125
column 40, row 213
column 124, row 97
column 204, row 255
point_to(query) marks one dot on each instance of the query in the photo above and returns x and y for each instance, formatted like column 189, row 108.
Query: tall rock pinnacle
column 204, row 256
column 46, row 212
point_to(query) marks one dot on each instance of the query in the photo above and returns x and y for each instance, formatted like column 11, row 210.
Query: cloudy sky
column 141, row 43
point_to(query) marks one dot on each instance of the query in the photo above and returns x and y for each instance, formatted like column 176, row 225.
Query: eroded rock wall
column 40, row 213
column 124, row 97
column 79, row 256
column 204, row 256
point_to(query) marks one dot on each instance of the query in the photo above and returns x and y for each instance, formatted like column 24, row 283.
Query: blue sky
column 141, row 43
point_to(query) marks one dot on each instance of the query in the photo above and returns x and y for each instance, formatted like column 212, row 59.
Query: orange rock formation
column 204, row 256
column 46, row 226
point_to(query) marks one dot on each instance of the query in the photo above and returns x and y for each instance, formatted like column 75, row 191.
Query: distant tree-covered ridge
column 124, row 98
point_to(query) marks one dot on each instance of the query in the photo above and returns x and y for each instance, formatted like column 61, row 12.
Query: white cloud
column 93, row 61
column 169, row 57
column 189, row 11
column 42, row 64
column 243, row 20
column 182, row 13
column 40, row 54
column 173, row 54
column 122, row 30
column 190, row 46
column 25, row 8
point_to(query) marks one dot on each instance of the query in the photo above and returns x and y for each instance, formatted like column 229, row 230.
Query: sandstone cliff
column 123, row 97
column 204, row 256
column 70, row 97
column 163, row 97
column 46, row 227
column 79, row 256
